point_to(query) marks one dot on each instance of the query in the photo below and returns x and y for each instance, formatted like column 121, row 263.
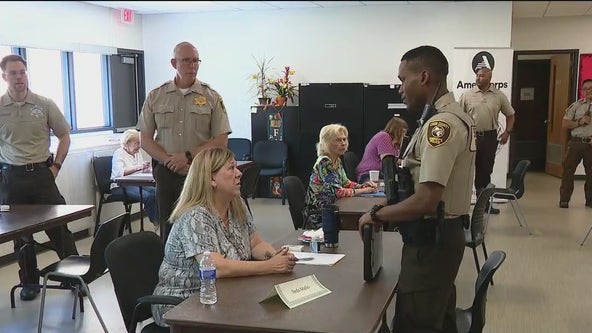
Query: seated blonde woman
column 211, row 216
column 328, row 181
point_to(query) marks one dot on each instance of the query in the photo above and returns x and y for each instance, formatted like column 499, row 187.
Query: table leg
column 141, row 210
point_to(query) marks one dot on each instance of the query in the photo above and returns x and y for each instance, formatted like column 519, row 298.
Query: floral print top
column 328, row 182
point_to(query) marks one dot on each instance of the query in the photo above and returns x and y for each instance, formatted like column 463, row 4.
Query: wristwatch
column 373, row 211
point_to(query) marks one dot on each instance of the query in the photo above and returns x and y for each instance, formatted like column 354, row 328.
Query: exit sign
column 127, row 16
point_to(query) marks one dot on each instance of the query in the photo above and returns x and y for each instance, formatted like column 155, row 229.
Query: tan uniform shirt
column 443, row 151
column 484, row 107
column 575, row 111
column 24, row 128
column 184, row 121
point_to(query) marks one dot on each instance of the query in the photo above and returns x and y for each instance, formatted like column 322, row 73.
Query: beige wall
column 552, row 33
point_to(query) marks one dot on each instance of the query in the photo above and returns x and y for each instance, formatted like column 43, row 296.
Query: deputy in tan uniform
column 484, row 103
column 187, row 116
column 577, row 120
column 440, row 157
column 27, row 169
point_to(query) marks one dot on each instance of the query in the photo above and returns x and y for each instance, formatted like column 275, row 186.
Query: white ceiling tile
column 292, row 4
column 529, row 8
column 326, row 4
column 567, row 8
column 382, row 3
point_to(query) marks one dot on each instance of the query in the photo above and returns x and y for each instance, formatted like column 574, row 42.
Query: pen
column 305, row 259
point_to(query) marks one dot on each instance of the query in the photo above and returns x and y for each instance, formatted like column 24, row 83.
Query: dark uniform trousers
column 577, row 149
column 426, row 295
column 484, row 158
column 34, row 184
column 168, row 190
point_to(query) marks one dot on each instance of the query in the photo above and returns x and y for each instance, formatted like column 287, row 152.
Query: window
column 88, row 85
column 45, row 74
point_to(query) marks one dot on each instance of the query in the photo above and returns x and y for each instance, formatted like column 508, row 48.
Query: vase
column 264, row 100
column 280, row 101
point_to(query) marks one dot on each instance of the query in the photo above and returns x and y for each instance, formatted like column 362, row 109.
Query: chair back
column 296, row 199
column 350, row 163
column 478, row 221
column 241, row 148
column 107, row 232
column 102, row 170
column 517, row 184
column 496, row 258
column 133, row 261
column 270, row 154
column 249, row 181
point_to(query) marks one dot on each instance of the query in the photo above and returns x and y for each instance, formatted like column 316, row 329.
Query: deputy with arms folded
column 441, row 160
column 211, row 216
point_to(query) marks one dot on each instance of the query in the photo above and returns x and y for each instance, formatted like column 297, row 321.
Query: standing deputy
column 577, row 120
column 27, row 170
column 441, row 157
column 484, row 103
column 187, row 116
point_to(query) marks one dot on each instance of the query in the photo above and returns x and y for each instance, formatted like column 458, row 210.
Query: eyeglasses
column 15, row 73
column 189, row 61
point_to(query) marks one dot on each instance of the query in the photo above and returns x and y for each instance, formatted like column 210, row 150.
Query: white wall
column 66, row 25
column 552, row 33
column 344, row 44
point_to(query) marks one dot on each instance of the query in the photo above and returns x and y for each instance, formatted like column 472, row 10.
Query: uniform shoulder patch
column 438, row 133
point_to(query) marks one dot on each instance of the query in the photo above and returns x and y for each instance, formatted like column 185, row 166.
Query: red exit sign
column 127, row 16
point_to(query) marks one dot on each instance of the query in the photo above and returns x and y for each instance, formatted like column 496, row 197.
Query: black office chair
column 241, row 148
column 75, row 272
column 350, row 163
column 272, row 157
column 102, row 169
column 514, row 192
column 296, row 193
column 133, row 261
column 472, row 319
column 475, row 235
column 249, row 183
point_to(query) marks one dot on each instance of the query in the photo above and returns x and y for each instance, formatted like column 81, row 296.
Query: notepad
column 319, row 259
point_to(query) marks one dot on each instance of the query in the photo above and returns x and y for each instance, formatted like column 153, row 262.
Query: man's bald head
column 483, row 78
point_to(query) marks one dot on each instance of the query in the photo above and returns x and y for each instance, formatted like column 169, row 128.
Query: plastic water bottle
column 207, row 277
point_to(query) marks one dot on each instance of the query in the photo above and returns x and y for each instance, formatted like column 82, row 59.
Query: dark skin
column 418, row 85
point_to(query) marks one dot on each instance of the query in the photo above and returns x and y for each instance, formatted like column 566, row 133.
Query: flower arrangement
column 261, row 82
column 283, row 87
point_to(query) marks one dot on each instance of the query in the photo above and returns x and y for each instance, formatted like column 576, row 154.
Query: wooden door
column 559, row 88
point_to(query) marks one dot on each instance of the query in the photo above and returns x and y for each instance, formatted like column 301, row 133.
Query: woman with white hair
column 127, row 160
column 328, row 180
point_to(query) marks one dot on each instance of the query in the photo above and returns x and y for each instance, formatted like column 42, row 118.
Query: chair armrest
column 148, row 300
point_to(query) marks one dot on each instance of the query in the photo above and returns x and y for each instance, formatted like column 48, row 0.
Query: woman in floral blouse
column 328, row 181
column 210, row 215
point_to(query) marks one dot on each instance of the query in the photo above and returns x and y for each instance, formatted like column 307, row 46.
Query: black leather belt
column 582, row 140
column 484, row 133
column 26, row 167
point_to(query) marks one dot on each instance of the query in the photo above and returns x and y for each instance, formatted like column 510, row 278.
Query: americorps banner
column 462, row 68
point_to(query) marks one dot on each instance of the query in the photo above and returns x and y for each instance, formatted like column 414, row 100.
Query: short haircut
column 197, row 189
column 327, row 134
column 9, row 58
column 130, row 135
column 182, row 45
column 427, row 57
column 586, row 81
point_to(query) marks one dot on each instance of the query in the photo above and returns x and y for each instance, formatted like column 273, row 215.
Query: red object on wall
column 127, row 16
column 585, row 72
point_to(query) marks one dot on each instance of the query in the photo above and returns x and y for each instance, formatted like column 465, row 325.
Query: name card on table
column 297, row 292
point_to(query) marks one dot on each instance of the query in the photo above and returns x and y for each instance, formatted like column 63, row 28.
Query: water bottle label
column 207, row 274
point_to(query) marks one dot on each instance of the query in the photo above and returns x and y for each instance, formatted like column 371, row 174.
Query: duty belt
column 27, row 167
column 483, row 133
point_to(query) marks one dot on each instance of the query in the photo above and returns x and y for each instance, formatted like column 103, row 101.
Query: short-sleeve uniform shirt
column 575, row 111
column 484, row 107
column 25, row 128
column 183, row 121
column 443, row 151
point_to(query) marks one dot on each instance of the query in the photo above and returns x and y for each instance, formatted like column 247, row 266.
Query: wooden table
column 352, row 306
column 352, row 208
column 24, row 220
column 147, row 179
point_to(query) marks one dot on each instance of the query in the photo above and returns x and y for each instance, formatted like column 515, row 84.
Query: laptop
column 372, row 238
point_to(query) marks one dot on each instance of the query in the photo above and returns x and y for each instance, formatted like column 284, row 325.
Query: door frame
column 573, row 75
